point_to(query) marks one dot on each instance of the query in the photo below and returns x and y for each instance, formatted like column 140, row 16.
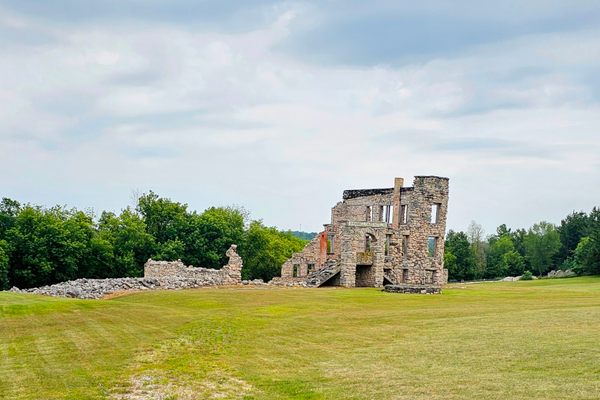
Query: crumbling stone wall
column 382, row 236
column 309, row 259
column 157, row 275
column 230, row 274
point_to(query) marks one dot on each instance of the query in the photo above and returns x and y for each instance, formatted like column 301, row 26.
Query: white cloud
column 222, row 118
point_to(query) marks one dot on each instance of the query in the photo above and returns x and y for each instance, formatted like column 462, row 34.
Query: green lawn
column 513, row 340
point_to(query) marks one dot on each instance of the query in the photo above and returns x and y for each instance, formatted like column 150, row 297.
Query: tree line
column 574, row 244
column 41, row 246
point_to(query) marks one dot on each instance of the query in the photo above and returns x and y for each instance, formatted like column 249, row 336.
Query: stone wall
column 373, row 243
column 421, row 289
column 157, row 275
column 230, row 274
column 311, row 255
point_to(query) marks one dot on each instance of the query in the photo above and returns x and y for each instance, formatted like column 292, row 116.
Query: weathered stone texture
column 380, row 236
column 407, row 288
column 230, row 274
column 157, row 275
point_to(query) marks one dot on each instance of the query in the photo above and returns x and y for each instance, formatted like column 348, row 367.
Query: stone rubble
column 412, row 288
column 168, row 275
column 98, row 288
column 561, row 273
column 256, row 282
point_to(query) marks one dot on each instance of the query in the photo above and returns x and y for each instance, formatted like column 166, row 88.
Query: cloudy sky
column 280, row 106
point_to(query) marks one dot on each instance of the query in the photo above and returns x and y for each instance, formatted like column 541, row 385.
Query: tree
column 475, row 234
column 197, row 239
column 170, row 250
column 123, row 245
column 265, row 249
column 503, row 230
column 542, row 242
column 8, row 212
column 164, row 219
column 4, row 265
column 587, row 252
column 574, row 227
column 496, row 262
column 581, row 256
column 211, row 234
column 513, row 263
column 48, row 245
column 458, row 257
column 518, row 238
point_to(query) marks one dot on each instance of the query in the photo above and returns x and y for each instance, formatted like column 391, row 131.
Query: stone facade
column 379, row 236
column 230, row 274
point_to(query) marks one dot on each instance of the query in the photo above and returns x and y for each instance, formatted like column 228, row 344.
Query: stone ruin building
column 378, row 237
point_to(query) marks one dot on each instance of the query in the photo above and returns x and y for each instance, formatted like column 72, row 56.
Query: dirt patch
column 146, row 387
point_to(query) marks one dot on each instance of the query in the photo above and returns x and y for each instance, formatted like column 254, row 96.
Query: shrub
column 527, row 276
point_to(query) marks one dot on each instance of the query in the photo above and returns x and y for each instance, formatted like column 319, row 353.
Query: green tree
column 574, row 227
column 587, row 252
column 197, row 239
column 165, row 219
column 542, row 242
column 498, row 247
column 170, row 250
column 4, row 265
column 211, row 234
column 123, row 245
column 475, row 234
column 8, row 212
column 581, row 256
column 458, row 257
column 513, row 263
column 518, row 238
column 48, row 245
column 265, row 249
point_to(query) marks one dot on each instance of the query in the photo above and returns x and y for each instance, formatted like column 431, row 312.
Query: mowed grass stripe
column 524, row 340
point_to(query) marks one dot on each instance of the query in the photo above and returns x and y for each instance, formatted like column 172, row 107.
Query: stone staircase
column 389, row 278
column 321, row 276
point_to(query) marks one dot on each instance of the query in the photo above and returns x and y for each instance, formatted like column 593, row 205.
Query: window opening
column 330, row 244
column 435, row 213
column 432, row 245
column 403, row 214
column 405, row 275
column 387, row 245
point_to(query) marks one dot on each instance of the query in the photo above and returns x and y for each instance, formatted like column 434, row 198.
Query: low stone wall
column 169, row 269
column 286, row 281
column 421, row 289
column 230, row 274
column 157, row 275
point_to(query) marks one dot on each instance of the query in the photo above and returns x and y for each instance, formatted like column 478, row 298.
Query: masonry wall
column 228, row 275
column 397, row 249
column 420, row 267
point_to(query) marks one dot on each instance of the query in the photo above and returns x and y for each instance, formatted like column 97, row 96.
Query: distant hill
column 304, row 235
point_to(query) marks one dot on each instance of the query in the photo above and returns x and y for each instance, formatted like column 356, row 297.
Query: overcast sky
column 280, row 106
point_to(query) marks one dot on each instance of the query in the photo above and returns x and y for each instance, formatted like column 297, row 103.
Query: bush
column 527, row 276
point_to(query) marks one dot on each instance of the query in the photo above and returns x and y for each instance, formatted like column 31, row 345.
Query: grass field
column 513, row 340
